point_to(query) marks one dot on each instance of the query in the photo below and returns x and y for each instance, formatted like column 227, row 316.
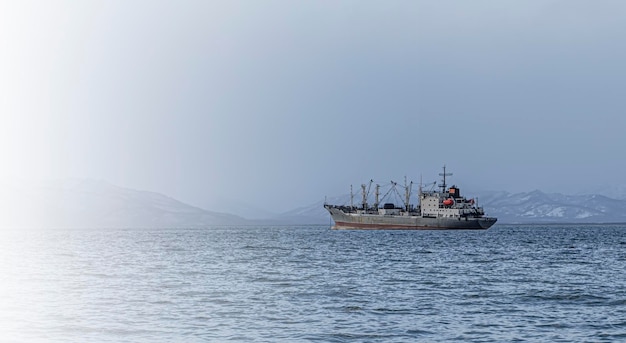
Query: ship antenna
column 444, row 174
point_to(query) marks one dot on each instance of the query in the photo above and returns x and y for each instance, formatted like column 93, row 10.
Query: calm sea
column 299, row 284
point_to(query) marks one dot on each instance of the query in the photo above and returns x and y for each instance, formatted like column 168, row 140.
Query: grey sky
column 288, row 101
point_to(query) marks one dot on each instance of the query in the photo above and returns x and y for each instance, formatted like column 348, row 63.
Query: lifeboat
column 448, row 202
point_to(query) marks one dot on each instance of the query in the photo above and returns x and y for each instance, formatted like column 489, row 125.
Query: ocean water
column 311, row 284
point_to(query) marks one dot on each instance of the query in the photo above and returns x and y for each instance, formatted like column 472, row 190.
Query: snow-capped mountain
column 81, row 203
column 612, row 191
column 539, row 207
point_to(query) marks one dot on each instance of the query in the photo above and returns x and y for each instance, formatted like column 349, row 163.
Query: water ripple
column 269, row 284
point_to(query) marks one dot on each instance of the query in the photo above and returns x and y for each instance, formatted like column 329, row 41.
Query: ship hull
column 354, row 221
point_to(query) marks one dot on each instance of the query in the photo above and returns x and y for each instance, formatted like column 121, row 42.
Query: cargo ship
column 442, row 209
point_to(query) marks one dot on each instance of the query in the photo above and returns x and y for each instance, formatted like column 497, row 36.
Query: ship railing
column 372, row 210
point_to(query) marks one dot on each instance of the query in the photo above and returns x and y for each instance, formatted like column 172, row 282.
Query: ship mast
column 419, row 196
column 377, row 196
column 351, row 198
column 420, row 188
column 407, row 193
column 444, row 174
column 364, row 201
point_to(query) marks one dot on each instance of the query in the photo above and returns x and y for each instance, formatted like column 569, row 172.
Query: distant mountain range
column 540, row 207
column 526, row 207
column 79, row 203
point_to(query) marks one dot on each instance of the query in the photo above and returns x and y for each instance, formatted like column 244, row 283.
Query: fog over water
column 281, row 102
column 136, row 120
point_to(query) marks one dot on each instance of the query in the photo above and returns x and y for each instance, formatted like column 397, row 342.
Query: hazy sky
column 284, row 102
